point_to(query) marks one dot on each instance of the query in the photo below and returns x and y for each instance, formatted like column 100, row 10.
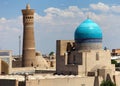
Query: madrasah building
column 79, row 62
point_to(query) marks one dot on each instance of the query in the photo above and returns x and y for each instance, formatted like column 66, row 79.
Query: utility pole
column 19, row 45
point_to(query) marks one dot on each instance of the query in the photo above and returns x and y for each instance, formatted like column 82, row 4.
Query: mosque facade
column 84, row 55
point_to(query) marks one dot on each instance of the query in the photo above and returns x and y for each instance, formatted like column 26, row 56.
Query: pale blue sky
column 11, row 8
column 58, row 19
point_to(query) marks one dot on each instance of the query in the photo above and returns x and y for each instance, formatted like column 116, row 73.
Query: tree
column 115, row 62
column 107, row 83
column 51, row 53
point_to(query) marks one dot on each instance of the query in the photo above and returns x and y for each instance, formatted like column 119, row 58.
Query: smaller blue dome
column 88, row 31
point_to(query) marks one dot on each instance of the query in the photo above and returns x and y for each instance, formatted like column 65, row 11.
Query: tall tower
column 28, row 55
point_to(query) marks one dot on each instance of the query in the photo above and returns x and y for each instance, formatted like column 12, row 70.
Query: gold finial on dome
column 28, row 6
column 88, row 15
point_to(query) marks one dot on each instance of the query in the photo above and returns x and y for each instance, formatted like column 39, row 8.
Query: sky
column 58, row 20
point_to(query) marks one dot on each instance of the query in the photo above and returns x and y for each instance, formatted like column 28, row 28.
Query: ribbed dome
column 88, row 31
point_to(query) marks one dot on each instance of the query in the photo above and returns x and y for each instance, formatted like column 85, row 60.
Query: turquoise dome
column 88, row 31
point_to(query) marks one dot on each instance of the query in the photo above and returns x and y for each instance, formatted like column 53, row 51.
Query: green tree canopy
column 113, row 62
column 107, row 83
column 51, row 53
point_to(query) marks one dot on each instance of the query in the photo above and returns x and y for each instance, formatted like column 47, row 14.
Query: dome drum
column 89, row 40
column 88, row 46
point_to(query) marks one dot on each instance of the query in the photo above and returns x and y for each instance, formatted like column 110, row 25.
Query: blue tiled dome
column 88, row 31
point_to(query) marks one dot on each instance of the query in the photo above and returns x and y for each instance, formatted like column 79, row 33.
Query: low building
column 5, row 61
column 115, row 52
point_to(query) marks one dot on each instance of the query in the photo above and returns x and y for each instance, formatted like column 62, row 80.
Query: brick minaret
column 28, row 55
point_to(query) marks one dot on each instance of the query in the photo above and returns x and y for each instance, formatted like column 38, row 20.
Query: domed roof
column 88, row 31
